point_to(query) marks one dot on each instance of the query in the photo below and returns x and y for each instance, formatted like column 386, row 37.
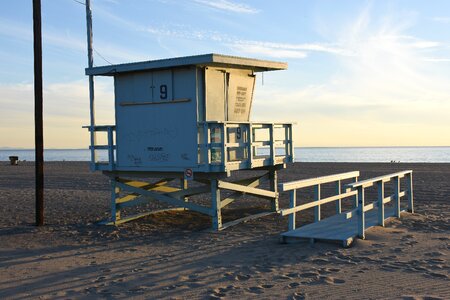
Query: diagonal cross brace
column 251, row 182
column 166, row 199
column 246, row 189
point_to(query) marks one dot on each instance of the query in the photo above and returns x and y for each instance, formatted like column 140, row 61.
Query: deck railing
column 110, row 147
column 226, row 146
column 316, row 183
column 379, row 182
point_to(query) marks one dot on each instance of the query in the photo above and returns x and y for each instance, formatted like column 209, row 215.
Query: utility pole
column 38, row 118
column 91, row 78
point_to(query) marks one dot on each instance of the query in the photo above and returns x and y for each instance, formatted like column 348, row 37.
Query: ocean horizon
column 412, row 154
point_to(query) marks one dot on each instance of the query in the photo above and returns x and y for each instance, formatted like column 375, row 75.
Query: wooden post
column 38, row 113
column 355, row 198
column 115, row 213
column 216, row 205
column 184, row 186
column 317, row 198
column 339, row 201
column 250, row 146
column 273, row 178
column 397, row 196
column 110, row 148
column 380, row 188
column 410, row 193
column 361, row 214
column 292, row 204
column 91, row 83
column 272, row 145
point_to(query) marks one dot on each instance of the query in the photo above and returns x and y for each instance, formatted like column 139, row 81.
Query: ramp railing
column 316, row 183
column 379, row 182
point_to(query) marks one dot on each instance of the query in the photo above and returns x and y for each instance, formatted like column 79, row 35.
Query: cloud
column 66, row 109
column 226, row 5
column 259, row 48
column 387, row 89
column 55, row 38
column 286, row 50
column 445, row 20
column 268, row 51
column 436, row 59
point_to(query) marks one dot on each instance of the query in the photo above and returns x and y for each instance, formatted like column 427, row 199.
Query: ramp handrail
column 292, row 187
column 359, row 188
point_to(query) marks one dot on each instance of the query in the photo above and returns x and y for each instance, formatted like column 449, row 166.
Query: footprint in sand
column 242, row 277
column 397, row 250
column 434, row 254
column 298, row 296
column 281, row 277
column 292, row 275
column 390, row 267
column 220, row 292
column 255, row 290
column 100, row 279
column 139, row 289
column 309, row 274
column 326, row 280
column 293, row 285
column 327, row 271
column 172, row 287
column 437, row 275
column 320, row 261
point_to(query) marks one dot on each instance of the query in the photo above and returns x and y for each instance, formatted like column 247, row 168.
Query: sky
column 361, row 73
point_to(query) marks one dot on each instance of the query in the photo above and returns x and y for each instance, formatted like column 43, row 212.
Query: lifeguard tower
column 188, row 119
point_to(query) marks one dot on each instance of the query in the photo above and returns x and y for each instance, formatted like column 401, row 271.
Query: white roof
column 212, row 59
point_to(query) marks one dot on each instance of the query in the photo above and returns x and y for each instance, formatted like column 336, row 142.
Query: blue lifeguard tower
column 188, row 119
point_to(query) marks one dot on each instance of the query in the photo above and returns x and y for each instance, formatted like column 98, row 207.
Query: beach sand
column 175, row 256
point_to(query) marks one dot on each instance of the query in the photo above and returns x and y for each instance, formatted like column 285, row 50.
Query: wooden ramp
column 341, row 228
column 344, row 227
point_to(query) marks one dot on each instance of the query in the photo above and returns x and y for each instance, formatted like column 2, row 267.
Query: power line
column 102, row 57
column 79, row 2
column 98, row 53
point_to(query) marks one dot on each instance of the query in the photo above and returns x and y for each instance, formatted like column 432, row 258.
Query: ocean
column 302, row 154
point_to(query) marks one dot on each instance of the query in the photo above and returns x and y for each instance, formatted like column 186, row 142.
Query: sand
column 175, row 256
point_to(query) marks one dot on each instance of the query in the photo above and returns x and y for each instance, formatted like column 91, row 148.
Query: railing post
column 397, row 196
column 216, row 205
column 273, row 178
column 291, row 143
column 317, row 207
column 223, row 139
column 292, row 204
column 361, row 214
column 339, row 201
column 250, row 146
column 380, row 188
column 110, row 148
column 207, row 137
column 355, row 198
column 272, row 145
column 409, row 186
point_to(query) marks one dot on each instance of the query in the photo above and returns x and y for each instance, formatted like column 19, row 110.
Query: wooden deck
column 341, row 228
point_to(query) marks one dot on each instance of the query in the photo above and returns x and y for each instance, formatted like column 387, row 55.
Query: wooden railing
column 232, row 145
column 316, row 183
column 110, row 147
column 380, row 181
